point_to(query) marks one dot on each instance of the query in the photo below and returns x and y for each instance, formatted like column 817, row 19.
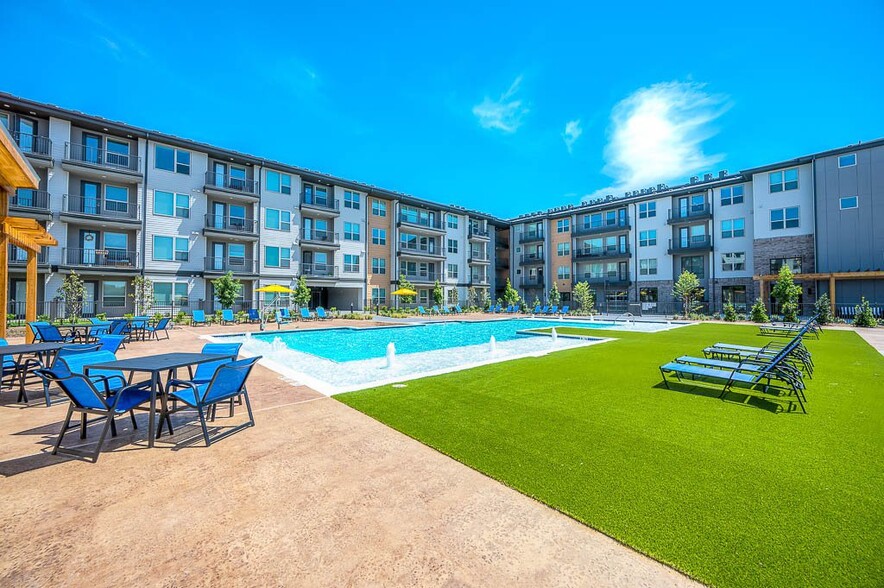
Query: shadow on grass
column 738, row 397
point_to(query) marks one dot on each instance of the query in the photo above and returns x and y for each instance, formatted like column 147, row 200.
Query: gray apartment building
column 125, row 201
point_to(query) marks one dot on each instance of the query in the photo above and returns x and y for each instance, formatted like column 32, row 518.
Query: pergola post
column 31, row 293
column 4, row 280
column 762, row 284
column 832, row 293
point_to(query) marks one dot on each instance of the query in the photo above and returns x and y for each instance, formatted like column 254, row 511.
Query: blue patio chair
column 76, row 360
column 537, row 309
column 445, row 309
column 254, row 317
column 280, row 320
column 321, row 314
column 60, row 368
column 111, row 343
column 118, row 327
column 435, row 310
column 33, row 327
column 51, row 334
column 544, row 310
column 306, row 315
column 205, row 371
column 228, row 382
column 286, row 314
column 227, row 316
column 86, row 399
column 15, row 371
column 565, row 309
column 421, row 310
column 458, row 309
column 198, row 317
column 160, row 327
column 99, row 327
column 554, row 309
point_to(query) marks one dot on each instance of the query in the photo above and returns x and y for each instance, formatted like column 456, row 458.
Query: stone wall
column 778, row 247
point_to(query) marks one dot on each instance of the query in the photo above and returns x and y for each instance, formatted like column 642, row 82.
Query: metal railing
column 532, row 283
column 99, row 206
column 677, row 215
column 620, row 224
column 478, row 232
column 318, row 236
column 319, row 270
column 237, row 265
column 228, row 182
column 612, row 279
column 421, row 276
column 695, row 243
column 31, row 199
column 102, row 157
column 601, row 252
column 434, row 223
column 531, row 237
column 232, row 224
column 530, row 258
column 111, row 258
column 33, row 144
column 332, row 204
column 480, row 258
column 479, row 280
column 421, row 250
column 19, row 256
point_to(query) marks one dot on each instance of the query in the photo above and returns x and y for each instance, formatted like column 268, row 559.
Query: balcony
column 421, row 251
column 614, row 227
column 531, row 237
column 526, row 282
column 231, row 226
column 94, row 160
column 427, row 277
column 228, row 185
column 531, row 259
column 325, row 271
column 322, row 206
column 237, row 265
column 18, row 257
column 36, row 147
column 478, row 259
column 33, row 201
column 101, row 211
column 479, row 280
column 601, row 253
column 696, row 244
column 690, row 214
column 432, row 225
column 118, row 260
column 478, row 234
column 610, row 280
column 317, row 238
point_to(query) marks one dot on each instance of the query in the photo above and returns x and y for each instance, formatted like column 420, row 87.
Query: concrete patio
column 316, row 494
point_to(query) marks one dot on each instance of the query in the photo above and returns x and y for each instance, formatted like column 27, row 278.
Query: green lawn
column 730, row 493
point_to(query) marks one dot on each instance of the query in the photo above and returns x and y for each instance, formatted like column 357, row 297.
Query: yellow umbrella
column 276, row 289
column 404, row 292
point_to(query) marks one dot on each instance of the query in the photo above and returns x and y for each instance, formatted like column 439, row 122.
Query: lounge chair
column 161, row 327
column 544, row 310
column 537, row 309
column 15, row 371
column 227, row 316
column 51, row 334
column 458, row 309
column 99, row 327
column 198, row 317
column 280, row 320
column 321, row 315
column 435, row 310
column 565, row 309
column 553, row 309
column 86, row 399
column 306, row 315
column 421, row 311
column 285, row 313
column 111, row 343
column 254, row 317
column 515, row 309
column 445, row 309
column 228, row 382
column 33, row 327
column 809, row 326
column 798, row 354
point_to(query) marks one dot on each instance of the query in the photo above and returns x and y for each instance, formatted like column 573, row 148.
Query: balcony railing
column 19, row 256
column 620, row 224
column 526, row 282
column 232, row 224
column 331, row 204
column 480, row 258
column 31, row 199
column 695, row 243
column 680, row 215
column 33, row 144
column 478, row 232
column 479, row 280
column 428, row 223
column 237, row 265
column 229, row 182
column 601, row 252
column 107, row 258
column 319, row 270
column 320, row 237
column 531, row 237
column 531, row 258
column 99, row 206
column 102, row 157
column 421, row 250
column 612, row 279
column 421, row 276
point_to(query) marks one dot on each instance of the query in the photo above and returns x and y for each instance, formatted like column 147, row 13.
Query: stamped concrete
column 316, row 494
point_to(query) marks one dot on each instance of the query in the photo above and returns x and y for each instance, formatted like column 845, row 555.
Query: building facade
column 125, row 202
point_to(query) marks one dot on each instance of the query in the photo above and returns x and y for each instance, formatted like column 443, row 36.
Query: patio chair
column 33, row 327
column 198, row 317
column 118, row 327
column 254, row 317
column 160, row 327
column 99, row 327
column 60, row 368
column 808, row 326
column 228, row 382
column 544, row 310
column 565, row 309
column 76, row 360
column 227, row 316
column 321, row 315
column 205, row 371
column 51, row 334
column 285, row 313
column 15, row 371
column 445, row 309
column 421, row 311
column 458, row 309
column 111, row 343
column 306, row 315
column 280, row 321
column 537, row 309
column 435, row 310
column 554, row 309
column 137, row 327
column 86, row 399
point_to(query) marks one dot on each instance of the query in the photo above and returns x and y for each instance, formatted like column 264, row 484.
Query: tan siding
column 555, row 260
column 379, row 251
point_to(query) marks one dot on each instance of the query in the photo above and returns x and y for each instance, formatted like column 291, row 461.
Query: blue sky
column 501, row 107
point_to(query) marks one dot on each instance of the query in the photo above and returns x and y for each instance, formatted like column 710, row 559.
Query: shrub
column 129, row 316
column 43, row 317
column 786, row 293
column 823, row 310
column 157, row 316
column 182, row 318
column 864, row 316
column 758, row 312
column 730, row 313
column 687, row 289
column 102, row 316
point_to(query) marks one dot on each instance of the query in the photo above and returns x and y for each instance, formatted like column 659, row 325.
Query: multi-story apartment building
column 124, row 201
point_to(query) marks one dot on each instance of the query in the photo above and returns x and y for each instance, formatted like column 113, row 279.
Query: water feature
column 492, row 345
column 391, row 355
column 555, row 336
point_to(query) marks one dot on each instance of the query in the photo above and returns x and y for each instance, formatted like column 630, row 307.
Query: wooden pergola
column 822, row 277
column 25, row 233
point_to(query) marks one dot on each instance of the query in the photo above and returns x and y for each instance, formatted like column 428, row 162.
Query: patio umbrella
column 403, row 292
column 273, row 289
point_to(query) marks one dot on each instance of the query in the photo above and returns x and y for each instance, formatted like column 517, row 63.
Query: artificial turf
column 729, row 492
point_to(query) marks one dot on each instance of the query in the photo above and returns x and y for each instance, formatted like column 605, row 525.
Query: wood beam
column 832, row 292
column 4, row 282
column 31, row 294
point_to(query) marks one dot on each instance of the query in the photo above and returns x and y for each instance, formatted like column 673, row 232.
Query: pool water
column 353, row 344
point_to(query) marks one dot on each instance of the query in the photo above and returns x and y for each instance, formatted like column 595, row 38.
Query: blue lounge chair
column 458, row 309
column 285, row 313
column 807, row 327
column 86, row 399
column 198, row 317
column 515, row 309
column 306, row 315
column 33, row 326
column 99, row 327
column 160, row 327
column 111, row 343
column 565, row 309
column 280, row 320
column 51, row 334
column 119, row 327
column 445, row 309
column 227, row 316
column 321, row 315
column 254, row 317
column 228, row 382
column 537, row 309
column 435, row 310
column 17, row 371
column 554, row 309
column 544, row 310
column 421, row 310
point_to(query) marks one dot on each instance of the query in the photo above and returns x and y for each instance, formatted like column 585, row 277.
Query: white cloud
column 572, row 133
column 657, row 134
column 504, row 114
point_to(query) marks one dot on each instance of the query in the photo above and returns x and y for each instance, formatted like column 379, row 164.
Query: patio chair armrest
column 180, row 384
column 106, row 381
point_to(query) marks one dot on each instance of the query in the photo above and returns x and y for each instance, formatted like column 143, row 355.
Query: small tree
column 536, row 302
column 864, row 316
column 483, row 301
column 687, row 289
column 403, row 283
column 758, row 312
column 584, row 297
column 730, row 313
column 471, row 297
column 554, row 297
column 142, row 295
column 302, row 295
column 227, row 289
column 73, row 292
column 510, row 294
column 786, row 293
column 823, row 310
column 438, row 294
column 454, row 297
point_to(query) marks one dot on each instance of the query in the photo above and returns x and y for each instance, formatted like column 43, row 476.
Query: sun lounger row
column 807, row 327
column 516, row 309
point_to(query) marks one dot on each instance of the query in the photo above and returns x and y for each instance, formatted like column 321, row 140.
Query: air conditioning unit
column 707, row 177
column 722, row 174
column 694, row 179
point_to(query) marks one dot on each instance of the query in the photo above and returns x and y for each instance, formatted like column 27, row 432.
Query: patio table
column 84, row 332
column 44, row 353
column 155, row 365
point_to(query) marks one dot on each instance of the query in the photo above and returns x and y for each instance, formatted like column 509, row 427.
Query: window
column 694, row 264
column 564, row 272
column 378, row 265
column 563, row 225
column 563, row 249
column 733, row 262
column 116, row 199
column 378, row 296
column 279, row 182
column 351, row 231
column 173, row 160
column 168, row 293
column 117, row 245
column 784, row 218
column 113, row 294
column 731, row 228
column 169, row 204
column 378, row 236
column 379, row 208
column 732, row 195
column 736, row 295
column 848, row 202
column 452, row 271
column 452, row 221
column 351, row 262
column 170, row 248
column 847, row 160
column 647, row 238
column 452, row 245
column 647, row 210
column 453, row 296
column 277, row 257
column 647, row 267
column 277, row 220
column 794, row 264
column 782, row 181
column 351, row 199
